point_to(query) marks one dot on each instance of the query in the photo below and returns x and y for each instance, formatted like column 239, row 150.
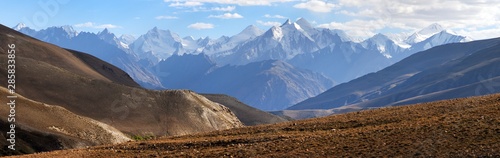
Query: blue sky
column 199, row 18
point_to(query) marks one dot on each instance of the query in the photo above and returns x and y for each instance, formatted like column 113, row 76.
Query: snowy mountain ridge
column 305, row 60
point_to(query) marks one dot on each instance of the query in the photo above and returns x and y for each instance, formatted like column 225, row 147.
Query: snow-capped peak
column 275, row 32
column 304, row 24
column 249, row 32
column 127, row 39
column 19, row 26
column 424, row 33
column 104, row 32
column 158, row 33
column 252, row 30
column 287, row 22
column 107, row 36
column 289, row 27
column 380, row 37
column 297, row 26
column 69, row 29
column 189, row 38
column 379, row 41
column 451, row 32
column 431, row 29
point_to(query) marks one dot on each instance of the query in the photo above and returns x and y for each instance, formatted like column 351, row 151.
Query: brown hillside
column 89, row 87
column 27, row 47
column 109, row 71
column 248, row 115
column 468, row 127
column 61, row 128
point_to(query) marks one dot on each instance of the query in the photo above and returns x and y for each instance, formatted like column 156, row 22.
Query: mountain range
column 69, row 99
column 162, row 85
column 302, row 51
column 104, row 45
column 266, row 85
column 444, row 72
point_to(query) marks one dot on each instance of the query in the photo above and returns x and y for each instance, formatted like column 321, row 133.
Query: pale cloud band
column 316, row 6
column 227, row 16
column 268, row 23
column 96, row 26
column 225, row 9
column 185, row 4
column 162, row 17
column 236, row 2
column 201, row 26
column 275, row 16
column 477, row 19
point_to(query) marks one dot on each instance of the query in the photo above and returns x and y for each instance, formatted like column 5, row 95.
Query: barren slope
column 468, row 127
column 61, row 128
column 248, row 115
column 92, row 88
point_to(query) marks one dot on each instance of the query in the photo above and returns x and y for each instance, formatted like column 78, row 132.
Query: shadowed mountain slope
column 443, row 72
column 266, row 85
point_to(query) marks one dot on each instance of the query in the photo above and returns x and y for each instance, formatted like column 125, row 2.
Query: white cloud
column 225, row 9
column 95, row 26
column 201, row 26
column 480, row 34
column 236, row 2
column 316, row 6
column 269, row 23
column 227, row 16
column 357, row 28
column 185, row 4
column 161, row 17
column 481, row 18
column 275, row 16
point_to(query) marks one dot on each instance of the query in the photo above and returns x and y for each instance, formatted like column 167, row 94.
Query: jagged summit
column 68, row 28
column 105, row 32
column 287, row 22
column 424, row 33
column 380, row 36
column 127, row 39
column 275, row 32
column 304, row 24
column 19, row 26
column 191, row 38
column 249, row 32
column 431, row 29
column 252, row 29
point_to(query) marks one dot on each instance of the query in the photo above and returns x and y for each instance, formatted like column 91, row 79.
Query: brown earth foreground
column 467, row 127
